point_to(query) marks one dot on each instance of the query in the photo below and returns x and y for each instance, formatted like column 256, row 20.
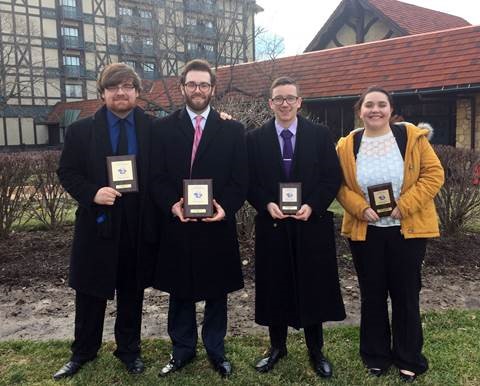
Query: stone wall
column 463, row 130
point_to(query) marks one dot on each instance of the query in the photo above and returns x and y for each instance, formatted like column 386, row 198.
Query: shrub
column 51, row 204
column 458, row 202
column 15, row 188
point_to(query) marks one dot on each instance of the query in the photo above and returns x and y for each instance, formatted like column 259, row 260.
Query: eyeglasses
column 192, row 86
column 278, row 100
column 124, row 87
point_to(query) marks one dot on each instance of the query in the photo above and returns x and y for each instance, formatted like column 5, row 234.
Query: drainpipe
column 473, row 118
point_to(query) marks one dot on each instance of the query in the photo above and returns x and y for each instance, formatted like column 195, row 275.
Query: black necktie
column 122, row 148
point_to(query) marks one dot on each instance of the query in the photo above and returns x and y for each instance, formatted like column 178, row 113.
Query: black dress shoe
column 173, row 365
column 377, row 371
column 321, row 365
column 223, row 367
column 267, row 363
column 136, row 366
column 408, row 378
column 68, row 369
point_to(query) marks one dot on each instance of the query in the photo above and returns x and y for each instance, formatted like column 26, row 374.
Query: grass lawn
column 451, row 344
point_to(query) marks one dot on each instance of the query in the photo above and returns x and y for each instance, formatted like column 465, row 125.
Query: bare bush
column 15, row 188
column 51, row 204
column 251, row 112
column 458, row 202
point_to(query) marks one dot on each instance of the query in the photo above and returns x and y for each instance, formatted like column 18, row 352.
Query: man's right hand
column 275, row 211
column 106, row 196
column 177, row 211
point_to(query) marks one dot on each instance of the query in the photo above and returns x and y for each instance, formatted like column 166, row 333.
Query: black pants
column 90, row 311
column 182, row 328
column 313, row 337
column 388, row 264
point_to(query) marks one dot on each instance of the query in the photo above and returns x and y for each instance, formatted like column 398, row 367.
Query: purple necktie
column 287, row 151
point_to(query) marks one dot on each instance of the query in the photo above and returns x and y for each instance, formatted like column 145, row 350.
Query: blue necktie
column 287, row 151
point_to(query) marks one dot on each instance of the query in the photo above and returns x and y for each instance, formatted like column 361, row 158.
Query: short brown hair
column 198, row 65
column 282, row 81
column 358, row 104
column 116, row 73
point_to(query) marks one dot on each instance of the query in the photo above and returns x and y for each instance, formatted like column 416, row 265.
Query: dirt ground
column 36, row 303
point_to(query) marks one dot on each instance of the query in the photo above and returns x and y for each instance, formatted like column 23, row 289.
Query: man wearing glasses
column 199, row 258
column 113, row 251
column 296, row 275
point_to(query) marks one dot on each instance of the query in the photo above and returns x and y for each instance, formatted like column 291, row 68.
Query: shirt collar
column 114, row 119
column 193, row 114
column 292, row 127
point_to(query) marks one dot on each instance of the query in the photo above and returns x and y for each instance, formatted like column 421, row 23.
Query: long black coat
column 296, row 272
column 199, row 260
column 82, row 171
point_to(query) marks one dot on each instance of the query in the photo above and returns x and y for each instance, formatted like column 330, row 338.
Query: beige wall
column 13, row 136
column 2, row 135
column 28, row 135
column 42, row 134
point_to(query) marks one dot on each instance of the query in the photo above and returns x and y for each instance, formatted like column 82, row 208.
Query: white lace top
column 379, row 161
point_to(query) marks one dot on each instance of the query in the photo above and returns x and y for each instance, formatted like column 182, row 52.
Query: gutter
column 437, row 90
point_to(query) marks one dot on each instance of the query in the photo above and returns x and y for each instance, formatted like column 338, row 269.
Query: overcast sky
column 298, row 21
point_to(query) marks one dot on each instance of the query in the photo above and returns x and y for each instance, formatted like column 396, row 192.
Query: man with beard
column 296, row 275
column 114, row 244
column 198, row 259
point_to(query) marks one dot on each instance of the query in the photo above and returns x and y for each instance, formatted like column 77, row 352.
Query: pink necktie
column 197, row 137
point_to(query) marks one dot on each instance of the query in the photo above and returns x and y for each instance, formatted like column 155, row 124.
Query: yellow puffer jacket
column 423, row 177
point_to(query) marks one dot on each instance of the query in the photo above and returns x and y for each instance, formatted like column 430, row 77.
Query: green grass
column 451, row 344
column 336, row 208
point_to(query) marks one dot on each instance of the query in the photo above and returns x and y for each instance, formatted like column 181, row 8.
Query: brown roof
column 402, row 18
column 442, row 60
column 414, row 19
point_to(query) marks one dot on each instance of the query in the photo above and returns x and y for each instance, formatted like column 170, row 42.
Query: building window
column 207, row 23
column 148, row 67
column 68, row 3
column 148, row 42
column 126, row 38
column 145, row 14
column 192, row 46
column 73, row 90
column 191, row 20
column 208, row 47
column 71, row 60
column 130, row 63
column 70, row 31
column 123, row 11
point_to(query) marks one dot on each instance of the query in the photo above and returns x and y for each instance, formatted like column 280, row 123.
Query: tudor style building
column 52, row 50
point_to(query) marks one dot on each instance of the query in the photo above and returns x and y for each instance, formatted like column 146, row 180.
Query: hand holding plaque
column 381, row 199
column 290, row 197
column 198, row 199
column 122, row 173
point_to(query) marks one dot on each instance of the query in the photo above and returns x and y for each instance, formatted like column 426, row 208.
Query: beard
column 198, row 102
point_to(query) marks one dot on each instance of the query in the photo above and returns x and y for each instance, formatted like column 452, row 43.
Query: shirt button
column 274, row 224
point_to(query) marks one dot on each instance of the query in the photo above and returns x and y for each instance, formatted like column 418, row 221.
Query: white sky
column 298, row 21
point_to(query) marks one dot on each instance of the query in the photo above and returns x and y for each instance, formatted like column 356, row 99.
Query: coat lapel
column 142, row 126
column 102, row 145
column 272, row 147
column 301, row 142
column 209, row 132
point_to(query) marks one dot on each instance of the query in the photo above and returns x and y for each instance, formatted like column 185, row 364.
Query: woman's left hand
column 396, row 214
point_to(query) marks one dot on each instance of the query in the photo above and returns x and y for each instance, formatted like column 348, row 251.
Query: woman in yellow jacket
column 388, row 241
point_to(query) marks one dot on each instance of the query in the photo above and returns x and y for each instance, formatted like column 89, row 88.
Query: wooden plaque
column 290, row 197
column 381, row 199
column 122, row 173
column 197, row 198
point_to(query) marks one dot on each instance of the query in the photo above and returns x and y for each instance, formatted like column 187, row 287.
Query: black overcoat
column 82, row 171
column 296, row 272
column 199, row 260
